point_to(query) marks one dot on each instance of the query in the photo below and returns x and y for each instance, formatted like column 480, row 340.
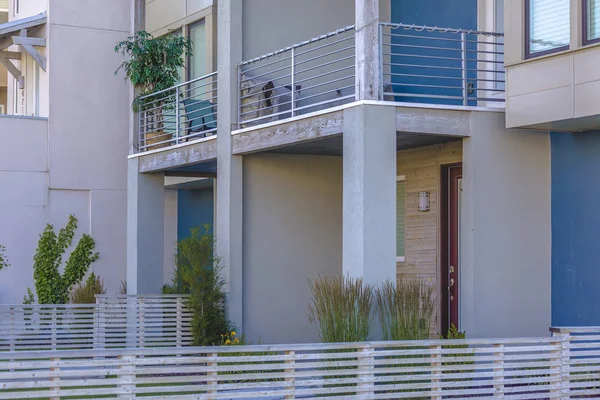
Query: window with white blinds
column 400, row 217
column 549, row 26
column 593, row 20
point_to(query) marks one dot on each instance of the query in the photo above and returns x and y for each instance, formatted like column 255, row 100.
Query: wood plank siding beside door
column 422, row 168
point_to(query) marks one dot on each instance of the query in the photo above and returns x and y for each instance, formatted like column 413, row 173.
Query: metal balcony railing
column 448, row 66
column 305, row 77
column 179, row 114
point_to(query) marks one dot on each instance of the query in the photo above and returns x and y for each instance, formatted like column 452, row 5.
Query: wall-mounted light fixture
column 423, row 201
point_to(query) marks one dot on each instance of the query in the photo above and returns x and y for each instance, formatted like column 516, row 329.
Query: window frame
column 188, row 59
column 585, row 23
column 527, row 25
column 401, row 259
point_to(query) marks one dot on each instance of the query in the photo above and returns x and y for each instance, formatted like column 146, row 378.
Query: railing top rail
column 179, row 85
column 294, row 46
column 420, row 28
column 166, row 351
column 575, row 329
column 46, row 306
column 145, row 296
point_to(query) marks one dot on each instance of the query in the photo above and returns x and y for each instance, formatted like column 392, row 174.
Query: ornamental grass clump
column 406, row 309
column 341, row 308
column 85, row 293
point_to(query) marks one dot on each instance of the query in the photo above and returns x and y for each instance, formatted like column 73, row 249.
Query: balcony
column 183, row 113
column 418, row 65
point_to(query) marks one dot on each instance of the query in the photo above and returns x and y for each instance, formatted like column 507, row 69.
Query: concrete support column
column 145, row 230
column 229, row 167
column 137, row 22
column 369, row 193
column 368, row 71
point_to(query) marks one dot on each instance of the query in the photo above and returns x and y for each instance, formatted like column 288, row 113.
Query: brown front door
column 451, row 189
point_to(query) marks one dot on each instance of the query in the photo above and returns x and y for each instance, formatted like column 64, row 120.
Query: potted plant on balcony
column 152, row 66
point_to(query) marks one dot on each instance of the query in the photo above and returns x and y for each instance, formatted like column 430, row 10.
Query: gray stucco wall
column 23, row 199
column 506, row 232
column 292, row 231
column 273, row 24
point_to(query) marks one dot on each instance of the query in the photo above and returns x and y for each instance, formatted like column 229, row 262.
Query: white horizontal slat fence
column 531, row 368
column 113, row 322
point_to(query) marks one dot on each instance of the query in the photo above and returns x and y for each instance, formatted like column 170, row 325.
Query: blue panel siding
column 575, row 228
column 441, row 13
column 194, row 209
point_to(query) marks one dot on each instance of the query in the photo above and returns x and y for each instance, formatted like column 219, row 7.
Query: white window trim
column 401, row 178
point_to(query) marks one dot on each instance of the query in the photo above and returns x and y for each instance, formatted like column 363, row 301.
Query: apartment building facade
column 361, row 137
column 551, row 64
column 63, row 132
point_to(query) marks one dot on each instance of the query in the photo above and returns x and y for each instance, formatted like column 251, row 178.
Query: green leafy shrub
column 406, row 309
column 29, row 298
column 454, row 334
column 341, row 308
column 3, row 260
column 85, row 293
column 198, row 273
column 153, row 65
column 52, row 287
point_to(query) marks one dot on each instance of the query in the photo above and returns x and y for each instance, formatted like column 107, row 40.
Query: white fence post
column 13, row 331
column 436, row 371
column 565, row 363
column 499, row 370
column 290, row 369
column 55, row 373
column 131, row 318
column 366, row 370
column 179, row 323
column 53, row 321
column 126, row 377
column 141, row 307
column 556, row 374
column 212, row 375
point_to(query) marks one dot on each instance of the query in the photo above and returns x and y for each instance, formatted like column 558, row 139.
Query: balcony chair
column 200, row 116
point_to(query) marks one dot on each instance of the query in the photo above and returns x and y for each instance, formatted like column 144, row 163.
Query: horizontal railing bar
column 327, row 83
column 418, row 85
column 325, row 64
column 324, row 74
column 428, row 96
column 414, row 46
column 256, row 77
column 423, row 66
column 424, row 56
column 420, row 28
column 321, row 56
column 262, row 99
column 491, row 71
column 300, row 53
column 180, row 84
column 419, row 37
column 326, row 92
column 281, row 59
column 426, row 76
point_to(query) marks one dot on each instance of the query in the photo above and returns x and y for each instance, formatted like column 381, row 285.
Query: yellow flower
column 237, row 341
column 233, row 333
column 228, row 341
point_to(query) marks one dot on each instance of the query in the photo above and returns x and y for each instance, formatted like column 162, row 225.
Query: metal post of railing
column 140, row 129
column 381, row 84
column 177, row 115
column 239, row 97
column 293, row 105
column 465, row 84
